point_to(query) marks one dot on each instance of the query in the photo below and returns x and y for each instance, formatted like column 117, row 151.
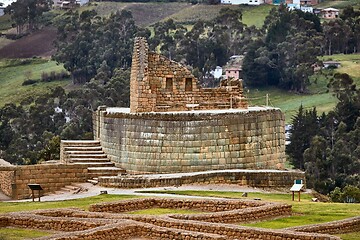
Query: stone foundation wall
column 101, row 225
column 335, row 227
column 7, row 175
column 253, row 178
column 51, row 177
column 193, row 141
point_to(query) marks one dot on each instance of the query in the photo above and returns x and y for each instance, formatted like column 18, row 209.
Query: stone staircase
column 89, row 153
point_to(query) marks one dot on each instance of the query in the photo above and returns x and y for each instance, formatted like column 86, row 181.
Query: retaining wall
column 51, row 177
column 7, row 175
column 192, row 141
column 253, row 178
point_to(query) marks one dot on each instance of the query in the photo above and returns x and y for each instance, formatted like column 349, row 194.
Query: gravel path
column 89, row 190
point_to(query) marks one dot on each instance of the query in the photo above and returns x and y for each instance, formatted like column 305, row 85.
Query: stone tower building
column 160, row 85
column 173, row 125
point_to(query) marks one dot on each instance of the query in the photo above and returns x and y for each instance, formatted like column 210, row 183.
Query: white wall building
column 237, row 2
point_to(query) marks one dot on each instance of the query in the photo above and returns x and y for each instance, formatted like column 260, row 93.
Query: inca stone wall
column 51, row 177
column 7, row 175
column 251, row 138
column 111, row 221
column 252, row 178
column 161, row 85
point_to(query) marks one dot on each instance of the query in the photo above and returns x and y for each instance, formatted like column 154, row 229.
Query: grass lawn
column 82, row 203
column 306, row 211
column 19, row 233
column 13, row 75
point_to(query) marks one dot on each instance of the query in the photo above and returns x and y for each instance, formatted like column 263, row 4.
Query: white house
column 300, row 7
column 217, row 73
column 62, row 3
column 237, row 2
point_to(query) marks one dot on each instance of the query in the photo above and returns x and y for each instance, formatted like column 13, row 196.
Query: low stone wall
column 7, row 175
column 195, row 204
column 51, row 177
column 335, row 227
column 100, row 225
column 253, row 178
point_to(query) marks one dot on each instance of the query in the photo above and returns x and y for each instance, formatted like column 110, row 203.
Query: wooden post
column 33, row 195
column 293, row 195
column 299, row 196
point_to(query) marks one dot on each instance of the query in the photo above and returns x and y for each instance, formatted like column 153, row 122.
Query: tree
column 300, row 136
column 89, row 45
column 26, row 13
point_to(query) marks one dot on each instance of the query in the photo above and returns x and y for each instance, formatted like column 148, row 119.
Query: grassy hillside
column 318, row 95
column 13, row 75
column 146, row 14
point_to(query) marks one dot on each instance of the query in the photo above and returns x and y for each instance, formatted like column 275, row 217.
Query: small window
column 188, row 85
column 169, row 84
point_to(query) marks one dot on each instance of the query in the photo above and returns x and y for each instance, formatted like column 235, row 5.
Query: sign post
column 35, row 187
column 298, row 184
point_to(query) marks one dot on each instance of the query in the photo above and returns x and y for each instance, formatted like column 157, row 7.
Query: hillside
column 13, row 75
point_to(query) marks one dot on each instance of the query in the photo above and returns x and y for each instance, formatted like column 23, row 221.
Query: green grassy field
column 305, row 212
column 13, row 75
column 82, row 203
column 146, row 14
column 338, row 4
column 318, row 95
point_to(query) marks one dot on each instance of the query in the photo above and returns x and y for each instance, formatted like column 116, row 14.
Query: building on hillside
column 233, row 68
column 300, row 7
column 308, row 2
column 329, row 13
column 68, row 4
column 234, row 72
column 238, row 2
column 217, row 73
column 331, row 64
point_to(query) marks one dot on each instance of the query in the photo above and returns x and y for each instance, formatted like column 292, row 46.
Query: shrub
column 349, row 194
column 29, row 82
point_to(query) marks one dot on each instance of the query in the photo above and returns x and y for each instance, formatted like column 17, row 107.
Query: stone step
column 83, row 148
column 88, row 156
column 93, row 181
column 85, row 152
column 83, row 143
column 96, row 164
column 104, row 171
column 89, row 160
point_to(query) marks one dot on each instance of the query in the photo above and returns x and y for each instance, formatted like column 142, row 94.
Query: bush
column 29, row 82
column 349, row 194
column 54, row 76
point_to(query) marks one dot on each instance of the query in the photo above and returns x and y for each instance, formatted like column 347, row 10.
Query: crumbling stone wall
column 51, row 177
column 161, row 85
column 193, row 141
column 7, row 175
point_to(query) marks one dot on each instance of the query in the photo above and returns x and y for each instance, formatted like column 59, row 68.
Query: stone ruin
column 158, row 84
column 173, row 125
column 215, row 219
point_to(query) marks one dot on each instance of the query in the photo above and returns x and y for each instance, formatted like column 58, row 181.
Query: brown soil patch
column 39, row 43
